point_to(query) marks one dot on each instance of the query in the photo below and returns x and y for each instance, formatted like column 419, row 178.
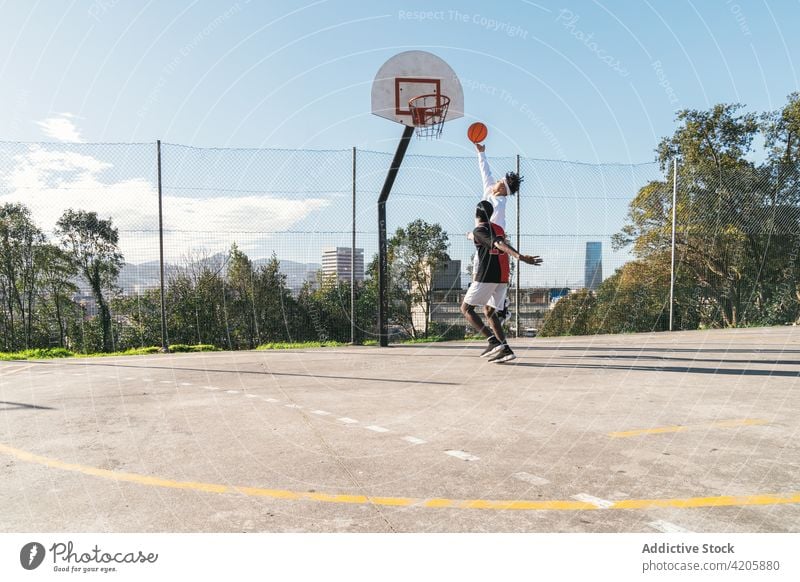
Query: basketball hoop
column 428, row 113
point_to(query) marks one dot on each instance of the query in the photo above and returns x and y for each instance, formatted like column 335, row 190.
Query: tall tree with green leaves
column 415, row 253
column 196, row 306
column 781, row 131
column 276, row 309
column 94, row 245
column 20, row 239
column 241, row 291
column 572, row 315
column 56, row 273
column 737, row 216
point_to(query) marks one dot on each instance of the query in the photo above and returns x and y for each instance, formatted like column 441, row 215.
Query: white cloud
column 61, row 128
column 50, row 181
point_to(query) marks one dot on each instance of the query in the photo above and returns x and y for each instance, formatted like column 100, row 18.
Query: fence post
column 353, row 261
column 164, row 342
column 383, row 259
column 517, row 305
column 672, row 266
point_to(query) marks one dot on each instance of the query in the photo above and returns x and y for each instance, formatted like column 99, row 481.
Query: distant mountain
column 296, row 273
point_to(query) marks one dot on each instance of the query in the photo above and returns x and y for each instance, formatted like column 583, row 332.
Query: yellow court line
column 667, row 429
column 514, row 505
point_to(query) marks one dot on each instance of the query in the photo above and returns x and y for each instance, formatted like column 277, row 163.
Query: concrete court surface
column 694, row 431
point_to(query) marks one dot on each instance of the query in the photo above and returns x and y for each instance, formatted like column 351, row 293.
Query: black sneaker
column 493, row 347
column 503, row 355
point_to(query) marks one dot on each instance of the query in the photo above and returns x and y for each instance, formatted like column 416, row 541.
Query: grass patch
column 299, row 345
column 194, row 348
column 50, row 353
column 37, row 354
column 431, row 339
column 424, row 340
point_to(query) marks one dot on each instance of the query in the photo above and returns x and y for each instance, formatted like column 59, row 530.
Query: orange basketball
column 477, row 132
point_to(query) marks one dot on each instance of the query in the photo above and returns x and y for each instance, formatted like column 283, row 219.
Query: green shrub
column 193, row 348
column 37, row 354
column 299, row 345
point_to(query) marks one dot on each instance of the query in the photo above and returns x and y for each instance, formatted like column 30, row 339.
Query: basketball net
column 428, row 113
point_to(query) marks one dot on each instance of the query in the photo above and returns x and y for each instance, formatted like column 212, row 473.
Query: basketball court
column 690, row 431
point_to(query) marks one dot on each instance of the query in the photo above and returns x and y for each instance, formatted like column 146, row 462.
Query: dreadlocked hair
column 514, row 180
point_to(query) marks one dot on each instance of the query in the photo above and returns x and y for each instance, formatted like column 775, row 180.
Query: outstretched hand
column 480, row 147
column 531, row 259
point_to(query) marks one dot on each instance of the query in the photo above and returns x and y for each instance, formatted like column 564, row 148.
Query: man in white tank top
column 497, row 193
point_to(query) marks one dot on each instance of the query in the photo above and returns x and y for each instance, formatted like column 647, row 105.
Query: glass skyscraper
column 593, row 271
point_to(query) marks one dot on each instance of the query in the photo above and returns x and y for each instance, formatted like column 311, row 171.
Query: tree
column 142, row 315
column 56, row 272
column 240, row 288
column 781, row 131
column 634, row 299
column 20, row 239
column 196, row 303
column 737, row 219
column 275, row 307
column 571, row 315
column 93, row 244
column 415, row 252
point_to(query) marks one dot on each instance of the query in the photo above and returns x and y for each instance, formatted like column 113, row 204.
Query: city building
column 336, row 263
column 446, row 296
column 593, row 271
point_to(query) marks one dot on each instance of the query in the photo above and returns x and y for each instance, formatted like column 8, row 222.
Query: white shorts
column 491, row 294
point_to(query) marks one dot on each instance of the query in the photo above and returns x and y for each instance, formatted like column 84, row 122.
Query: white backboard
column 410, row 74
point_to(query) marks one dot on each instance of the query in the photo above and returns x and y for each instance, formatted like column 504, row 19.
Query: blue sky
column 594, row 82
column 573, row 80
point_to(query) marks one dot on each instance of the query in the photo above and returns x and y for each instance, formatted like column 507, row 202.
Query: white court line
column 667, row 527
column 252, row 395
column 346, row 420
column 166, row 381
column 292, row 406
column 528, row 478
column 320, row 412
column 231, row 391
column 19, row 369
column 462, row 455
column 414, row 440
column 376, row 428
column 271, row 400
column 186, row 383
column 600, row 503
column 210, row 388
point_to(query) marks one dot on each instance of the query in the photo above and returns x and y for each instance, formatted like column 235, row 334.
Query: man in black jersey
column 490, row 281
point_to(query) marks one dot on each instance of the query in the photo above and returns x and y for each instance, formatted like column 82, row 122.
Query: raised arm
column 504, row 246
column 486, row 172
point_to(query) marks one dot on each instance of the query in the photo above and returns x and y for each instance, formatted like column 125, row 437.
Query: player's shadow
column 271, row 373
column 21, row 406
column 679, row 369
column 720, row 359
column 661, row 349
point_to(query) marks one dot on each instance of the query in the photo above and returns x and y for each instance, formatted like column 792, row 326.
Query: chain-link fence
column 258, row 244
